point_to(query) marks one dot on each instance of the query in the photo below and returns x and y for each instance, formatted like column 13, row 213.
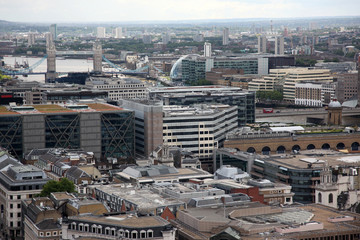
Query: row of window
column 48, row 234
column 98, row 229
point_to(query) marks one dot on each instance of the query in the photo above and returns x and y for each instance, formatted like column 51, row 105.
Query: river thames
column 62, row 65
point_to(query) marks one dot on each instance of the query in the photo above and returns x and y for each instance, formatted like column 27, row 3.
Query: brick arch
column 325, row 146
column 340, row 145
column 281, row 149
column 355, row 146
column 251, row 150
column 310, row 146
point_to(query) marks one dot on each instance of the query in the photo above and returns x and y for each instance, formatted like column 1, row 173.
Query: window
column 19, row 224
column 19, row 205
column 48, row 233
column 11, row 224
column 11, row 197
column 319, row 197
column 18, row 196
column 11, row 206
column 41, row 234
column 331, row 198
column 11, row 215
column 150, row 233
column 54, row 233
column 19, row 214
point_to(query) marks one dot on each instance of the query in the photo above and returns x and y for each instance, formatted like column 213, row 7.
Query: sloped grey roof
column 76, row 173
column 48, row 224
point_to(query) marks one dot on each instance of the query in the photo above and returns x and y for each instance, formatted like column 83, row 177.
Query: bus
column 268, row 110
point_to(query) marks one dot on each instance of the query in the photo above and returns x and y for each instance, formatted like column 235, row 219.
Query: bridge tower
column 97, row 57
column 51, row 62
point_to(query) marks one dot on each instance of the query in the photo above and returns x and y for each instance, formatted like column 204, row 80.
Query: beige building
column 271, row 82
column 303, row 75
column 17, row 182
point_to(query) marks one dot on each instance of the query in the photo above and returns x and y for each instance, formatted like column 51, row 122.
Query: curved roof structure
column 175, row 72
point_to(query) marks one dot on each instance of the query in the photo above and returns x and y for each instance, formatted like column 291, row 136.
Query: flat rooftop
column 144, row 198
column 56, row 108
column 179, row 174
column 316, row 157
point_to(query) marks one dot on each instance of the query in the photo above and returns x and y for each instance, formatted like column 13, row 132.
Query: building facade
column 128, row 88
column 199, row 130
column 148, row 124
column 18, row 182
column 118, row 227
column 233, row 96
column 103, row 129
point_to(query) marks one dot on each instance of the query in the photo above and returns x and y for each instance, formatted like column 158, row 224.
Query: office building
column 233, row 96
column 100, row 32
column 118, row 32
column 119, row 88
column 303, row 75
column 302, row 171
column 148, row 124
column 225, row 36
column 53, row 31
column 17, row 182
column 207, row 49
column 199, row 129
column 194, row 68
column 103, row 129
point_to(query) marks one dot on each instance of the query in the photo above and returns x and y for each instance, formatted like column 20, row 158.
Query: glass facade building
column 106, row 130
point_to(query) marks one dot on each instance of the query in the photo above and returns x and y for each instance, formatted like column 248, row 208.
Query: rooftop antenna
column 271, row 25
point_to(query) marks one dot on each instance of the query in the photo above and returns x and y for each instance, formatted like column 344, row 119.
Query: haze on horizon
column 82, row 11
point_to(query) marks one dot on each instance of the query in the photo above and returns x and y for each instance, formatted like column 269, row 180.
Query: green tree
column 269, row 95
column 64, row 185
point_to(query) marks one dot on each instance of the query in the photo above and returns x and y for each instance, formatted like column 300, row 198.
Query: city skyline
column 170, row 10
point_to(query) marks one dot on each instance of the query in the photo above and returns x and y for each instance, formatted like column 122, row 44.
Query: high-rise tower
column 97, row 57
column 51, row 62
column 53, row 31
column 207, row 49
column 225, row 37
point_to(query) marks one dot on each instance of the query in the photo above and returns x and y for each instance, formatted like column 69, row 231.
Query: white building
column 339, row 190
column 207, row 49
column 100, row 32
column 198, row 128
column 118, row 32
column 119, row 88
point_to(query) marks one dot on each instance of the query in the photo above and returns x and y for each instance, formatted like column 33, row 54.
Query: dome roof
column 334, row 104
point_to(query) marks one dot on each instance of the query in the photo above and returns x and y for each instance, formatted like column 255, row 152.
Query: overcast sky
column 57, row 11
